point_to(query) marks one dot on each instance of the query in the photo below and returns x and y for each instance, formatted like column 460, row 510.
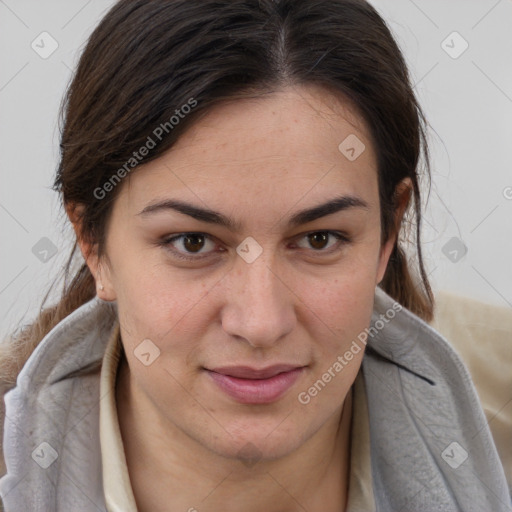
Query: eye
column 191, row 243
column 318, row 240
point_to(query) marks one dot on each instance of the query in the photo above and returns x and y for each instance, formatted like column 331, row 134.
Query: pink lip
column 252, row 386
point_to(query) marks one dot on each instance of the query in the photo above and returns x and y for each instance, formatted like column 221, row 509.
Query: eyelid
column 167, row 240
column 341, row 237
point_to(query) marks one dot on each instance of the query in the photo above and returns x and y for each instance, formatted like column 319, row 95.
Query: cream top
column 116, row 480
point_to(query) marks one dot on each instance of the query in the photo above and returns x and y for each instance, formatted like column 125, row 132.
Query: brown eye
column 319, row 241
column 193, row 242
column 189, row 246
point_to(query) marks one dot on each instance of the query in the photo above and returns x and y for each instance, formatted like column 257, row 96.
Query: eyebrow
column 335, row 205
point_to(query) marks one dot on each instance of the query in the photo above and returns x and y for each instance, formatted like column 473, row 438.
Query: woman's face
column 226, row 331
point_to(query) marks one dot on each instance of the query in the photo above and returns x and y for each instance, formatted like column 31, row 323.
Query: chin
column 251, row 444
column 254, row 451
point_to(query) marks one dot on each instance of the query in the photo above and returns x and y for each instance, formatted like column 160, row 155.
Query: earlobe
column 101, row 290
column 99, row 283
column 75, row 215
column 104, row 288
column 89, row 252
column 90, row 255
column 403, row 193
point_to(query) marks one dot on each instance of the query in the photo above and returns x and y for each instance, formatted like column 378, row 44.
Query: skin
column 301, row 301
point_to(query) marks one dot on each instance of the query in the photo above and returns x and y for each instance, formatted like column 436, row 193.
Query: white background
column 467, row 100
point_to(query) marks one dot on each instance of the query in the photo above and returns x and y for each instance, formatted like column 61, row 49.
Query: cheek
column 159, row 303
column 343, row 306
column 337, row 307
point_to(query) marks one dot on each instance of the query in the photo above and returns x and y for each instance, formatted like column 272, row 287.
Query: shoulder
column 402, row 338
column 62, row 368
column 481, row 334
column 425, row 416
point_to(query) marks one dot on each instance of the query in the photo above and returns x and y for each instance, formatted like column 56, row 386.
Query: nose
column 260, row 304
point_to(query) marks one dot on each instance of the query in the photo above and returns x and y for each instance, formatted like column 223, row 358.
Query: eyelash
column 166, row 242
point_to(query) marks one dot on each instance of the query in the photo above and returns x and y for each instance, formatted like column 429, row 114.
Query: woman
column 246, row 331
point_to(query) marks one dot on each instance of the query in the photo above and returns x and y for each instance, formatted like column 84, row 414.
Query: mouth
column 255, row 386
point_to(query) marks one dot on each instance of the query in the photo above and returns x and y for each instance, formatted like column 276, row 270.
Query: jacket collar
column 431, row 445
column 91, row 326
column 51, row 431
column 419, row 394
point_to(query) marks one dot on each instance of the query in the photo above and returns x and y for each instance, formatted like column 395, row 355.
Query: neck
column 190, row 477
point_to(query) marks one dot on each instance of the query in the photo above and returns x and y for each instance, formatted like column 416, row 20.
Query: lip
column 246, row 372
column 256, row 386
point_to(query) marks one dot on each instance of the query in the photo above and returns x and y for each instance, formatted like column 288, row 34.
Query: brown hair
column 149, row 58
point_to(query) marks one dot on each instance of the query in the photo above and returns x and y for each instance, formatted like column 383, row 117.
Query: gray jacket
column 431, row 447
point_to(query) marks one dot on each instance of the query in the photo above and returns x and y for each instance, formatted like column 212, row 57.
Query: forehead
column 295, row 138
column 299, row 122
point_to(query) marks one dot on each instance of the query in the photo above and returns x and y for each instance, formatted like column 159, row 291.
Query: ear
column 402, row 197
column 98, row 266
